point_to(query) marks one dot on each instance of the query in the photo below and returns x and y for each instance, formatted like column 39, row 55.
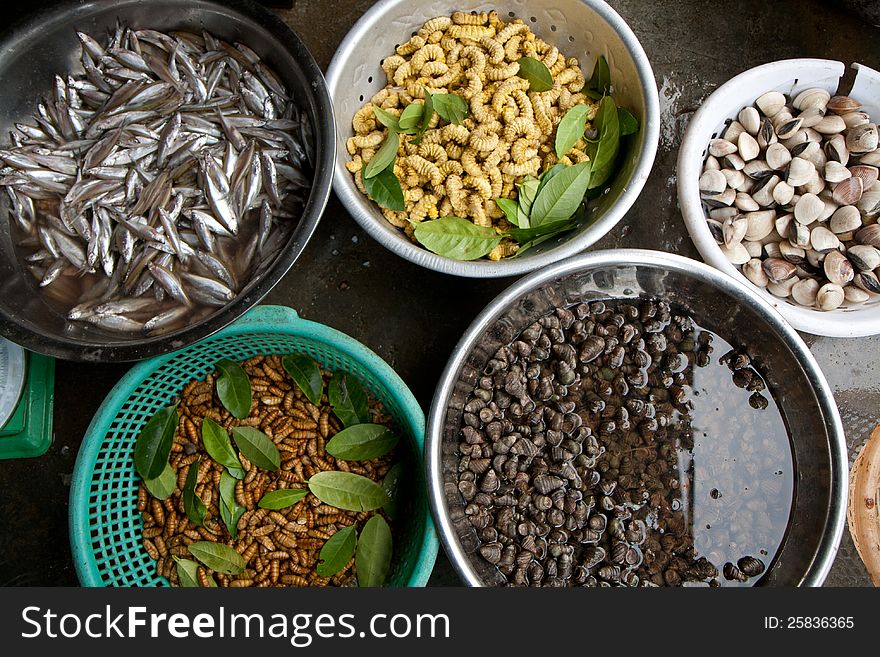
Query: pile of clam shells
column 792, row 197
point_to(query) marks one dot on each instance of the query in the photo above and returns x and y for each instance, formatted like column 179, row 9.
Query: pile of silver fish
column 158, row 183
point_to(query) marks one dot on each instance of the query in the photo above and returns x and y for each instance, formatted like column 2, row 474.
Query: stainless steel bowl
column 580, row 28
column 45, row 44
column 719, row 303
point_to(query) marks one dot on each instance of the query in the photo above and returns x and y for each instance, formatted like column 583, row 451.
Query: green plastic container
column 105, row 526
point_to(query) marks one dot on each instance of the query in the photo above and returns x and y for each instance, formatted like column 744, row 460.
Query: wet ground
column 413, row 317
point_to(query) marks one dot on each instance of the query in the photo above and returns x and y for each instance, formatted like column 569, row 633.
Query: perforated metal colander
column 579, row 28
column 105, row 525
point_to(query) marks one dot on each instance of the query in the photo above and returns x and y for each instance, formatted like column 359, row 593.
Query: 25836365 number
column 819, row 622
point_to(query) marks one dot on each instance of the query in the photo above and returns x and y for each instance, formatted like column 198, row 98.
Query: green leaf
column 348, row 491
column 536, row 73
column 257, row 447
column 386, row 118
column 384, row 157
column 282, row 498
column 153, row 445
column 454, row 237
column 234, row 388
column 391, row 484
column 192, row 504
column 451, row 107
column 306, row 373
column 362, row 442
column 337, row 551
column 230, row 511
column 560, row 197
column 629, row 125
column 528, row 189
column 427, row 115
column 600, row 83
column 218, row 557
column 547, row 176
column 384, row 188
column 523, row 235
column 552, row 230
column 162, row 486
column 373, row 558
column 510, row 209
column 570, row 129
column 411, row 118
column 348, row 399
column 603, row 155
column 217, row 444
column 188, row 574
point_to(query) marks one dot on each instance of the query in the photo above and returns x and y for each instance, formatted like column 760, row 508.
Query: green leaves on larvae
column 536, row 73
column 348, row 399
column 378, row 174
column 234, row 388
column 306, row 373
column 454, row 237
column 153, row 445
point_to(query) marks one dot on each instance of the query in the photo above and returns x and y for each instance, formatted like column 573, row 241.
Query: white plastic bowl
column 790, row 77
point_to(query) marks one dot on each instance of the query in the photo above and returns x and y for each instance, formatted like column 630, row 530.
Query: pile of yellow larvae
column 458, row 169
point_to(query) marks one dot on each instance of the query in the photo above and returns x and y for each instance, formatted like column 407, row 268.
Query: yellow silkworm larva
column 410, row 46
column 499, row 98
column 474, row 85
column 502, row 71
column 477, row 211
column 469, row 162
column 430, row 52
column 433, row 70
column 390, row 65
column 425, row 169
column 464, row 18
column 437, row 24
column 532, row 167
column 523, row 150
column 403, row 72
column 480, row 185
column 476, row 59
column 510, row 30
column 451, row 167
column 503, row 250
column 456, row 132
column 521, row 126
column 433, row 153
column 474, row 33
column 512, row 49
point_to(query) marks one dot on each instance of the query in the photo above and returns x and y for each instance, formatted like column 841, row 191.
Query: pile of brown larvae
column 280, row 548
column 459, row 168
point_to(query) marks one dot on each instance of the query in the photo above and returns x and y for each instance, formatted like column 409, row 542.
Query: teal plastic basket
column 105, row 526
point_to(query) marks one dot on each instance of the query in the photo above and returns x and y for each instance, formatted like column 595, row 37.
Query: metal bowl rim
column 359, row 206
column 836, row 515
column 144, row 347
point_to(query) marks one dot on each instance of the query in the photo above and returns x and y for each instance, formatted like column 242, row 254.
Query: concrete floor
column 413, row 317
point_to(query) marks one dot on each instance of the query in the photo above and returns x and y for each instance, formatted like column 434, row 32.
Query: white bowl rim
column 850, row 323
column 397, row 242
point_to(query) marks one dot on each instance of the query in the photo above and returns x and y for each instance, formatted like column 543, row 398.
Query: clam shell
column 837, row 268
column 720, row 214
column 750, row 120
column 753, row 271
column 783, row 288
column 762, row 193
column 771, row 103
column 798, row 172
column 733, row 131
column 777, row 156
column 766, row 134
column 771, row 250
column 829, row 296
column 788, row 128
column 830, row 124
column 778, row 269
column 746, row 203
column 760, row 225
column 846, row 218
column 715, row 227
column 842, row 105
column 849, row 192
column 867, row 280
column 835, row 149
column 868, row 174
column 811, row 98
column 799, row 235
column 734, row 178
column 869, row 235
column 727, row 197
column 870, row 202
column 855, row 294
column 733, row 161
column 757, row 169
column 835, row 172
column 711, row 163
column 755, row 249
column 811, row 116
column 712, row 182
column 815, row 258
column 815, row 185
column 721, row 147
column 794, row 254
column 804, row 291
column 862, row 138
column 864, row 257
column 734, row 230
column 747, row 146
column 853, row 119
column 823, row 240
column 736, row 254
column 808, row 208
column 872, row 158
column 830, row 206
column 783, row 193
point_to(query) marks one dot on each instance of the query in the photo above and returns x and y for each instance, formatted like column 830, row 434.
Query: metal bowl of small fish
column 163, row 166
column 635, row 418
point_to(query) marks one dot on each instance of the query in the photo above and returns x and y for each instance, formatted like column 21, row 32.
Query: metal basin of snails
column 778, row 186
column 440, row 183
column 635, row 418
